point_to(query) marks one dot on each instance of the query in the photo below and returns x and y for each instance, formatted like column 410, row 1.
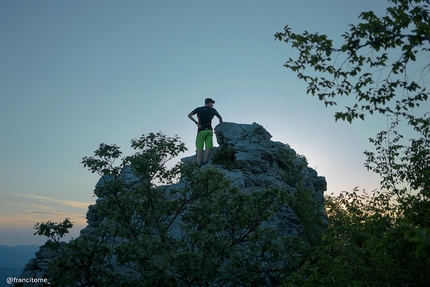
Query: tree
column 380, row 239
column 363, row 65
column 53, row 230
column 373, row 64
column 201, row 231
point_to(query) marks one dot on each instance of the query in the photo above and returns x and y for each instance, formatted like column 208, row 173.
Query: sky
column 74, row 74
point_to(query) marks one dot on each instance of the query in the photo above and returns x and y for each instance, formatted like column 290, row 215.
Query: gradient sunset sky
column 74, row 74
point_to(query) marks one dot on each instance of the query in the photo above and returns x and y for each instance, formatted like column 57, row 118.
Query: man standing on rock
column 204, row 137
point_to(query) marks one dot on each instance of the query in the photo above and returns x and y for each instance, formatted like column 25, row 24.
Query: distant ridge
column 13, row 260
column 16, row 256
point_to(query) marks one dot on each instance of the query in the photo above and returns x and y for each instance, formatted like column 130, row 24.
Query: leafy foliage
column 380, row 239
column 365, row 245
column 53, row 230
column 224, row 156
column 362, row 66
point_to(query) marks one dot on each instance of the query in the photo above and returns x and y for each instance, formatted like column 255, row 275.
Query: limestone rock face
column 36, row 267
column 260, row 163
column 248, row 157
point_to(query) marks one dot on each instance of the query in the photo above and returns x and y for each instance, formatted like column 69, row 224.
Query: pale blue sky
column 74, row 74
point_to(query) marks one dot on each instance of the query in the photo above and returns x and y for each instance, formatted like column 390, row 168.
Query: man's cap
column 209, row 100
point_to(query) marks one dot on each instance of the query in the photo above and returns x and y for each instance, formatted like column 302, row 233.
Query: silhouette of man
column 204, row 137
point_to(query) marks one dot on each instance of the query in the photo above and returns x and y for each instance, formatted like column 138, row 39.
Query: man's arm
column 218, row 116
column 190, row 115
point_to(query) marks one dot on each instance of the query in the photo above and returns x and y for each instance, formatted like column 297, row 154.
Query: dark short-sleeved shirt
column 205, row 115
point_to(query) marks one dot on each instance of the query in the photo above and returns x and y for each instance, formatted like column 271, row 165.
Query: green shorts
column 204, row 138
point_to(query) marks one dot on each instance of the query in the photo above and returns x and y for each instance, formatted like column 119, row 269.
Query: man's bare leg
column 207, row 154
column 199, row 157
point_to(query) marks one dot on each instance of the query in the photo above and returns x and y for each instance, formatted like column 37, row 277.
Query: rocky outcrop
column 36, row 267
column 248, row 157
column 261, row 163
